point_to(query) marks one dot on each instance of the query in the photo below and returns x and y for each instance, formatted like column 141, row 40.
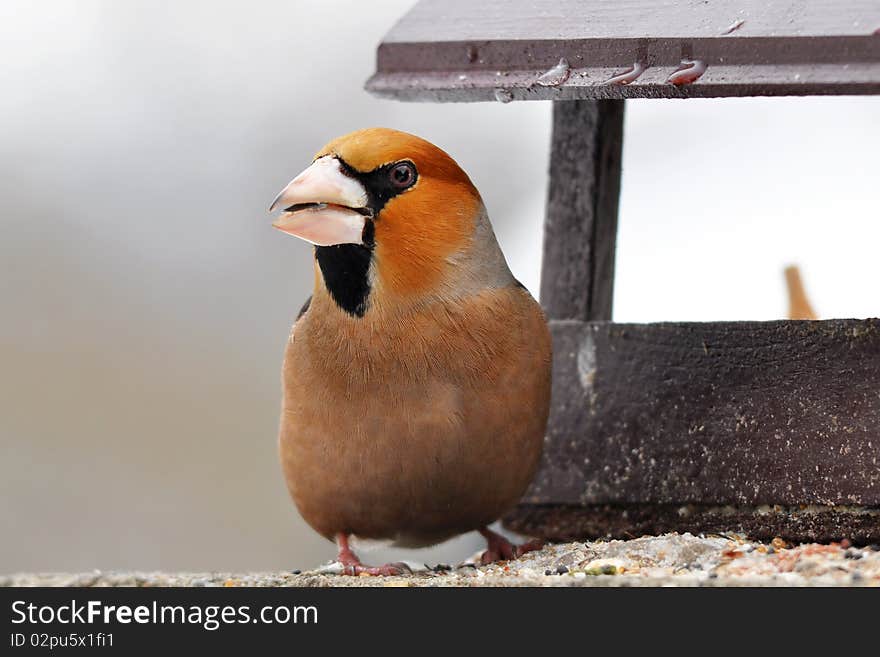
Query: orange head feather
column 418, row 229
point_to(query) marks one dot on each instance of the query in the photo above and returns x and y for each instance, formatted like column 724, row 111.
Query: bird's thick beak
column 323, row 206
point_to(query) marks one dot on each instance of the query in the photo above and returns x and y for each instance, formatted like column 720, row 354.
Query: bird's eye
column 402, row 175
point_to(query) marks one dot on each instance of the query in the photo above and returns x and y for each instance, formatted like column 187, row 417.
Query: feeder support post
column 580, row 228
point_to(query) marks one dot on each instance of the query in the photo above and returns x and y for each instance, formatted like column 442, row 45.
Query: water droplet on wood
column 503, row 95
column 629, row 75
column 688, row 71
column 734, row 27
column 556, row 75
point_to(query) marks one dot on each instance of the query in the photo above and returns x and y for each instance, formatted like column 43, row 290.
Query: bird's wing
column 302, row 311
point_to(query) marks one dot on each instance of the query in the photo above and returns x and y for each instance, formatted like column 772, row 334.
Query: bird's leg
column 499, row 548
column 351, row 565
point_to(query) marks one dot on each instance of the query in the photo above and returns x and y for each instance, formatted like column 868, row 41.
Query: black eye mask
column 385, row 182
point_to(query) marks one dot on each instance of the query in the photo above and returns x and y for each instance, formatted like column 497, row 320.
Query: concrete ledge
column 667, row 560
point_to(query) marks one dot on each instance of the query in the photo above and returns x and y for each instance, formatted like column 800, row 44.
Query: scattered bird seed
column 671, row 558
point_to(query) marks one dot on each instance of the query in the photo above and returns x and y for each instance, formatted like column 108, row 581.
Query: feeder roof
column 460, row 50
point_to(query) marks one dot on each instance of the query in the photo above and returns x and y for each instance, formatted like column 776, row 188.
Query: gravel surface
column 668, row 560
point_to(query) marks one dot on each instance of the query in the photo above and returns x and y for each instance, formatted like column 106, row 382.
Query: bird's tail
column 799, row 306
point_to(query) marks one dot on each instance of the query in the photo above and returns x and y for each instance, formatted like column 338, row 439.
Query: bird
column 416, row 378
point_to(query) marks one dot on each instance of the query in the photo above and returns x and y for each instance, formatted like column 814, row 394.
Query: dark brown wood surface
column 798, row 524
column 457, row 50
column 580, row 229
column 729, row 413
column 764, row 428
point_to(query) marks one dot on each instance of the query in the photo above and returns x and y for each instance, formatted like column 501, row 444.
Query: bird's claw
column 387, row 570
column 500, row 549
column 351, row 565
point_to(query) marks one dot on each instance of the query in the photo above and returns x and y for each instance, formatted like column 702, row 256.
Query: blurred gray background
column 146, row 301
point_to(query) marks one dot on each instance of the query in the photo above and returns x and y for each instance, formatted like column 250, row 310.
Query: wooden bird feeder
column 767, row 428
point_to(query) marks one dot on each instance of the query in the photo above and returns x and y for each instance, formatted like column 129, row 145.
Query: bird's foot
column 499, row 548
column 386, row 570
column 351, row 565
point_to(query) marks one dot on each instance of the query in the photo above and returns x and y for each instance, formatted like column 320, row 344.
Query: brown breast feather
column 417, row 427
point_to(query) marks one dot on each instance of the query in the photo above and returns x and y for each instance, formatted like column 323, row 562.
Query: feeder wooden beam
column 722, row 416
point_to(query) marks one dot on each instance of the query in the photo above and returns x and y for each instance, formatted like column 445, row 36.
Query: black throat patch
column 346, row 271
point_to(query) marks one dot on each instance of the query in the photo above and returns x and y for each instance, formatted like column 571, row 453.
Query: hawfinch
column 417, row 377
